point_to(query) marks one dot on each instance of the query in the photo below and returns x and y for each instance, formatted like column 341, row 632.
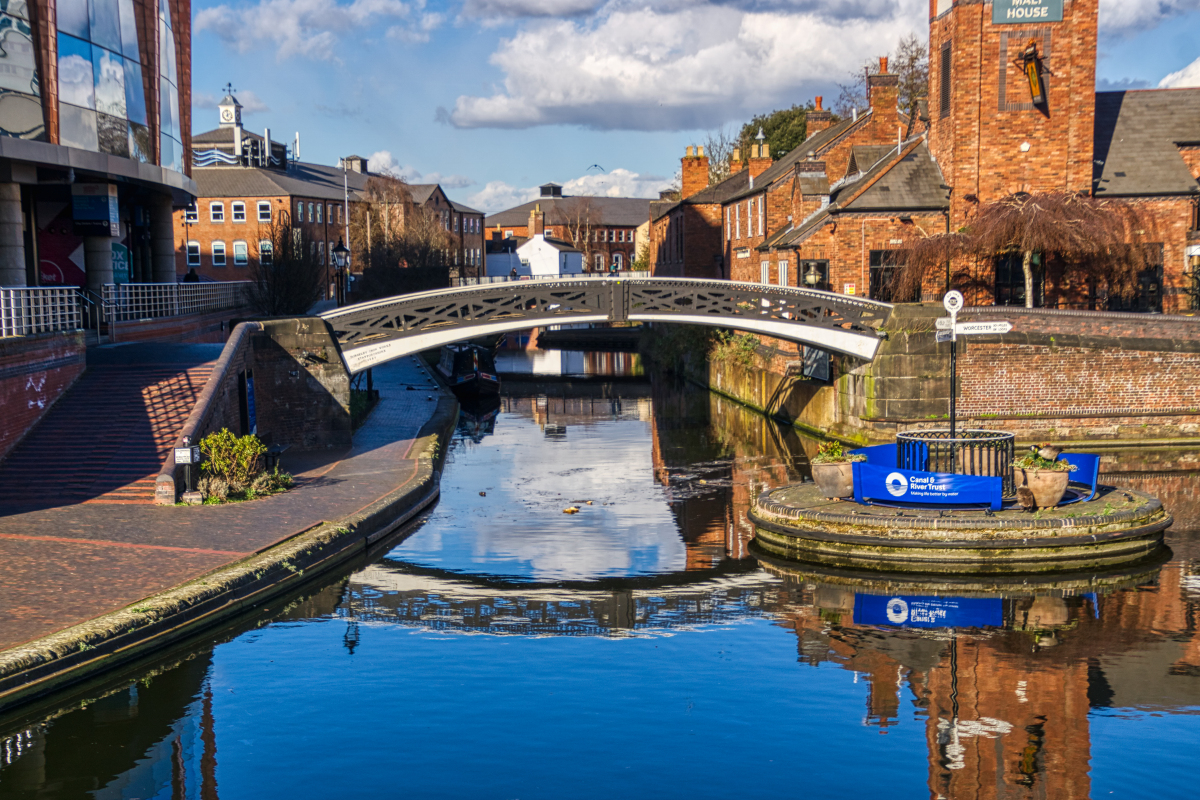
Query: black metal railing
column 969, row 452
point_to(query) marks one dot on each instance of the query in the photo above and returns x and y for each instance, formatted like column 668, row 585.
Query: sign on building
column 908, row 611
column 94, row 210
column 1012, row 12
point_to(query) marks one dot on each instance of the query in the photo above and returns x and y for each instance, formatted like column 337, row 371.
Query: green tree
column 785, row 129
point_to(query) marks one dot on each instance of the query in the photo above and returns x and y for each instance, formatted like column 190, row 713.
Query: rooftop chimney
column 818, row 119
column 735, row 161
column 694, row 169
column 537, row 221
column 760, row 155
column 883, row 93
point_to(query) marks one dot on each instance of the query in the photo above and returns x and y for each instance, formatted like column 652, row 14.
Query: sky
column 491, row 98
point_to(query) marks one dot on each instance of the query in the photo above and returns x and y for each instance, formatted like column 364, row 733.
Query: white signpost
column 969, row 328
column 949, row 329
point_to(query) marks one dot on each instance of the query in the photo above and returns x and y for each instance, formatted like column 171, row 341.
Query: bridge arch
column 380, row 330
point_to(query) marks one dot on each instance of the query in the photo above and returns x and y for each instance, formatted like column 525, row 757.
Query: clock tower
column 231, row 110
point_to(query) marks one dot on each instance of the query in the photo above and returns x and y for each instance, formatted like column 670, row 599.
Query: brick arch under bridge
column 380, row 330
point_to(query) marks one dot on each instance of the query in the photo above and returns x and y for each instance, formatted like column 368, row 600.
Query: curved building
column 95, row 120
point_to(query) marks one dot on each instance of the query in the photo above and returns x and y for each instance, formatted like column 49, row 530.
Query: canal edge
column 107, row 642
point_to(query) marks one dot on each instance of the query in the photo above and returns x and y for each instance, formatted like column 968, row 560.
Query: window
column 456, row 223
column 783, row 273
column 193, row 254
column 814, row 275
column 339, row 209
column 508, row 234
column 190, row 215
column 330, row 246
column 239, row 212
column 266, row 252
column 883, row 264
column 618, row 261
column 320, row 208
column 299, row 212
column 761, row 214
column 944, row 83
column 218, row 254
column 312, row 217
column 1010, row 280
column 216, row 212
column 599, row 262
column 728, row 224
column 241, row 254
column 764, row 272
column 320, row 251
column 264, row 211
column 737, row 213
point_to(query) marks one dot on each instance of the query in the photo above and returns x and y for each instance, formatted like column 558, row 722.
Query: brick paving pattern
column 67, row 564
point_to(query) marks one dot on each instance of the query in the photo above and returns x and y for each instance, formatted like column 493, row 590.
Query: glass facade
column 101, row 100
column 170, row 138
column 20, row 94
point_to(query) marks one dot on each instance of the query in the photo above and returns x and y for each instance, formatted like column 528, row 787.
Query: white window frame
column 312, row 214
column 728, row 223
column 237, row 208
column 508, row 234
column 216, row 212
column 266, row 252
column 599, row 265
column 191, row 214
column 783, row 273
column 619, row 260
column 264, row 205
column 241, row 253
column 320, row 213
column 737, row 213
column 761, row 214
column 193, row 254
column 222, row 255
column 764, row 272
column 300, row 212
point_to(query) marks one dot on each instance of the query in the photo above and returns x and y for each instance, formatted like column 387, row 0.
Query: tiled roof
column 463, row 209
column 1136, row 138
column 421, row 192
column 721, row 192
column 913, row 182
column 615, row 211
column 814, row 144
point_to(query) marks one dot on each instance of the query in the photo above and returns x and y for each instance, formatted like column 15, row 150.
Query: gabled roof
column 813, row 144
column 897, row 182
column 614, row 211
column 1136, row 142
column 421, row 192
column 463, row 209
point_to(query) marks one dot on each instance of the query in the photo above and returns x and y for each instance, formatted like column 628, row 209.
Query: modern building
column 95, row 121
column 610, row 232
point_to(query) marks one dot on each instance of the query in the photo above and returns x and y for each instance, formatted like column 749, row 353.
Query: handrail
column 137, row 301
column 26, row 310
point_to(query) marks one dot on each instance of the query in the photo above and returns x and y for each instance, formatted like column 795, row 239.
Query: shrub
column 234, row 459
column 213, row 488
column 832, row 452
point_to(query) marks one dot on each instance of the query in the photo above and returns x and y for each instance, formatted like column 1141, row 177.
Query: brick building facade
column 610, row 231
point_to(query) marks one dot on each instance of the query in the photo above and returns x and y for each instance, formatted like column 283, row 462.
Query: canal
column 502, row 647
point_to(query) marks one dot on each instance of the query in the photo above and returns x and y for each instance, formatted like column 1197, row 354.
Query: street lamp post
column 341, row 257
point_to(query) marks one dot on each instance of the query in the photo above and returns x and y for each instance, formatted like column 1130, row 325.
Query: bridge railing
column 26, row 310
column 483, row 281
column 136, row 301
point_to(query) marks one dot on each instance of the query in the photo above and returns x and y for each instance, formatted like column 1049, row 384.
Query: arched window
column 619, row 260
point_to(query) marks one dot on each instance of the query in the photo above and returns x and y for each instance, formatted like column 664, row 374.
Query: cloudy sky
column 494, row 97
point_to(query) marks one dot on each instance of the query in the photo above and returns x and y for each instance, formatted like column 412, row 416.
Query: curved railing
column 967, row 452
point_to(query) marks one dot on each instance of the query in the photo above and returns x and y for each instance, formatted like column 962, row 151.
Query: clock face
column 227, row 115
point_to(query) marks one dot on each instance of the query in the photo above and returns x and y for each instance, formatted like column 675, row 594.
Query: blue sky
column 494, row 97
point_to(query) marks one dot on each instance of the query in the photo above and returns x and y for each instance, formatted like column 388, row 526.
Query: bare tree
column 404, row 247
column 289, row 278
column 1097, row 240
column 582, row 219
column 719, row 145
column 424, row 241
column 911, row 64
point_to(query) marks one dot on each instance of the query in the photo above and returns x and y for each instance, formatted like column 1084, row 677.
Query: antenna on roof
column 296, row 149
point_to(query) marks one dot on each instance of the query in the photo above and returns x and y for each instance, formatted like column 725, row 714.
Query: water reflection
column 502, row 627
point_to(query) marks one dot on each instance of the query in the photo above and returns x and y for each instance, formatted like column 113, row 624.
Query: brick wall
column 190, row 329
column 34, row 373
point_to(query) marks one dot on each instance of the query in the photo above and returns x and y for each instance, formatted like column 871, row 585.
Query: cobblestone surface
column 65, row 565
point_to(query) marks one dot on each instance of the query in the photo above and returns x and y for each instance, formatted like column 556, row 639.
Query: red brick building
column 840, row 210
column 610, row 231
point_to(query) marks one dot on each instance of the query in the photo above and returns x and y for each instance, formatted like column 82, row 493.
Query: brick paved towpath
column 65, row 565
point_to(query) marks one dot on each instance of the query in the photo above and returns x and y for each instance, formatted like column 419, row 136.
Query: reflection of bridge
column 378, row 331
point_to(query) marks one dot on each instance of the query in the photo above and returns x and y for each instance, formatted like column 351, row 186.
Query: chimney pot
column 700, row 151
column 691, row 151
column 883, row 65
column 819, row 99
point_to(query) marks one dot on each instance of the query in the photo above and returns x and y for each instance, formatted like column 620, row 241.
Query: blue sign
column 935, row 488
column 929, row 612
column 252, row 420
column 94, row 210
column 1012, row 12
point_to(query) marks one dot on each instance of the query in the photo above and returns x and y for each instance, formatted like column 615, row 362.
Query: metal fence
column 970, row 452
column 30, row 310
column 457, row 282
column 136, row 301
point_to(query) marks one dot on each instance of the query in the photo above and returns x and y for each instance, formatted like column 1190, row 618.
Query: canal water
column 503, row 648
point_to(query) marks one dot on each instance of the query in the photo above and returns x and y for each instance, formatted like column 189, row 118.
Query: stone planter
column 834, row 480
column 1048, row 486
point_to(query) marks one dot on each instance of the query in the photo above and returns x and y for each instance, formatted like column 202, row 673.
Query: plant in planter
column 832, row 470
column 1040, row 477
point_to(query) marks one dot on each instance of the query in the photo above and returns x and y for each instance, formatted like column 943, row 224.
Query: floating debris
column 571, row 510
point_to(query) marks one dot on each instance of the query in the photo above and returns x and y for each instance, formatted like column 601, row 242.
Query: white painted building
column 544, row 256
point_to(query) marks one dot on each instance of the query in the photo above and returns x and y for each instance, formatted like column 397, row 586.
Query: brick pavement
column 66, row 565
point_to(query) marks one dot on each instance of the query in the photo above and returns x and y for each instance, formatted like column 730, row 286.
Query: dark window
column 883, row 265
column 1010, row 280
column 1147, row 296
column 944, row 78
column 818, row 268
column 1195, row 224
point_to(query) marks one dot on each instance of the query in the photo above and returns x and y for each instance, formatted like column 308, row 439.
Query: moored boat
column 470, row 369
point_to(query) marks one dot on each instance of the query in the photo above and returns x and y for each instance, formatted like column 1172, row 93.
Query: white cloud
column 382, row 161
column 251, row 102
column 498, row 195
column 697, row 65
column 1120, row 18
column 311, row 28
column 1188, row 76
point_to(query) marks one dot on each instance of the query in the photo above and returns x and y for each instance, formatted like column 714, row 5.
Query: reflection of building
column 95, row 124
